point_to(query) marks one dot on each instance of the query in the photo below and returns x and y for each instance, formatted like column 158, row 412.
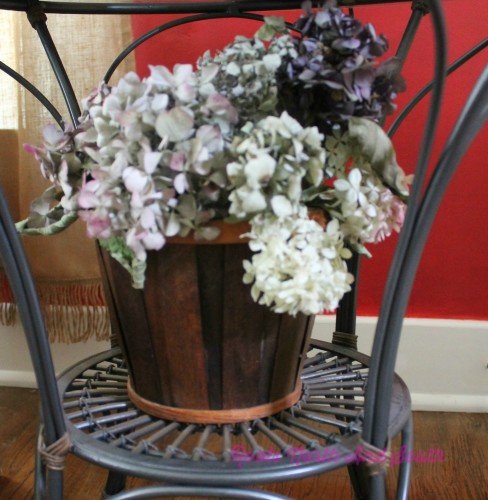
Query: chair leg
column 55, row 484
column 365, row 486
column 39, row 474
column 377, row 487
column 48, row 483
column 406, row 465
column 115, row 483
column 374, row 488
column 359, row 482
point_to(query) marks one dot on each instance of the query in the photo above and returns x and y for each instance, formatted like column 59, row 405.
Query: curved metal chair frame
column 351, row 405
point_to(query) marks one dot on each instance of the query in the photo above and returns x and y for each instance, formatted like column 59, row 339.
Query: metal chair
column 341, row 421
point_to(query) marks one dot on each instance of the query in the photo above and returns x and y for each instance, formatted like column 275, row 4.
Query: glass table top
column 148, row 6
column 167, row 6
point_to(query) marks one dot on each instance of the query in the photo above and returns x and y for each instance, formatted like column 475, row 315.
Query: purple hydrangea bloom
column 334, row 75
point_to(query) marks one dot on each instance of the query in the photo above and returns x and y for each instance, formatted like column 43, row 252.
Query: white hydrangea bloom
column 297, row 267
column 366, row 209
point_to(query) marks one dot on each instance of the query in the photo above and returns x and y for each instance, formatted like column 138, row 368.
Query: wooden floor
column 463, row 438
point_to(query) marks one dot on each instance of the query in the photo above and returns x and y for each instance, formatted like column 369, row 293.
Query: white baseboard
column 443, row 362
column 450, row 402
column 18, row 378
column 15, row 363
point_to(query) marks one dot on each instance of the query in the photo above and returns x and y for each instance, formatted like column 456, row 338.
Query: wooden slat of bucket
column 245, row 324
column 290, row 340
column 270, row 332
column 128, row 314
column 211, row 279
column 107, row 278
column 305, row 344
column 179, row 329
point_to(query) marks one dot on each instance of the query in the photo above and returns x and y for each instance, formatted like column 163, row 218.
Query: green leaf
column 273, row 25
column 118, row 250
column 313, row 192
column 378, row 150
column 60, row 225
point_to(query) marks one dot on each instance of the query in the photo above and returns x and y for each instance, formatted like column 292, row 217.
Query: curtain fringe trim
column 73, row 312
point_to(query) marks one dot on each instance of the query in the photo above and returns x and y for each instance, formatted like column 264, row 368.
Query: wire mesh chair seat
column 321, row 432
column 351, row 404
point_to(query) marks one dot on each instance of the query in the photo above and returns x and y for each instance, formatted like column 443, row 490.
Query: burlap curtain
column 65, row 266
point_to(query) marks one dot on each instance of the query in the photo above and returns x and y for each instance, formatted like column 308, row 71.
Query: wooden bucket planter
column 199, row 349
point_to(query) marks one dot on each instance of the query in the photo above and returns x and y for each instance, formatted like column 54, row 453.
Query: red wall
column 452, row 278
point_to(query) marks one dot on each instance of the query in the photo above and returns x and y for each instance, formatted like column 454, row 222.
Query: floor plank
column 462, row 437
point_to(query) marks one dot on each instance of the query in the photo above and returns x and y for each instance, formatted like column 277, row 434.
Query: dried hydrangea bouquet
column 268, row 130
column 262, row 131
